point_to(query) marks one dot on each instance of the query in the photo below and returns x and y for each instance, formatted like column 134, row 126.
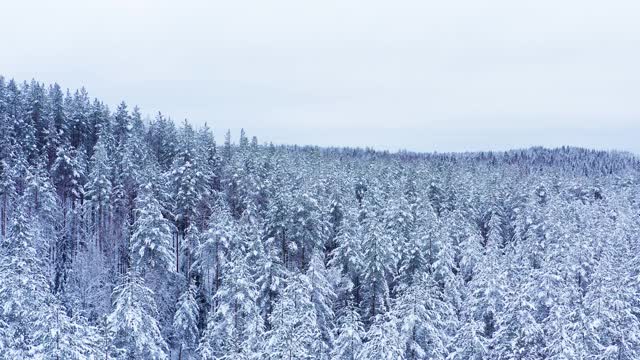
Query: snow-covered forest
column 130, row 239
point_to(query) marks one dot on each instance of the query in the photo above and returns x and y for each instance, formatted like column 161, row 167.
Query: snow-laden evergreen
column 24, row 291
column 185, row 323
column 152, row 236
column 133, row 326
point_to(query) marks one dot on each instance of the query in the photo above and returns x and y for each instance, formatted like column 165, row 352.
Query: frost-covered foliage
column 294, row 333
column 350, row 335
column 235, row 325
column 185, row 322
column 124, row 238
column 132, row 324
column 24, row 291
column 152, row 236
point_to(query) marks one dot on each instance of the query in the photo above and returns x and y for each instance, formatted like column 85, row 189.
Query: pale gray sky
column 420, row 75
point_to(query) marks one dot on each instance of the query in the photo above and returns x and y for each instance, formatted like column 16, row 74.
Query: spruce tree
column 294, row 331
column 152, row 235
column 235, row 326
column 132, row 324
column 98, row 191
column 383, row 340
column 185, row 323
column 24, row 291
column 350, row 335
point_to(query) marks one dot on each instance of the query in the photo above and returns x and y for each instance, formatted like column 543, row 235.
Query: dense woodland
column 126, row 238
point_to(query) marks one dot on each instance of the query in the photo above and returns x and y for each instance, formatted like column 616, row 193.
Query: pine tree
column 422, row 318
column 152, row 236
column 98, row 192
column 36, row 102
column 188, row 250
column 89, row 285
column 471, row 256
column 78, row 119
column 235, row 325
column 322, row 297
column 519, row 335
column 383, row 340
column 24, row 291
column 309, row 229
column 227, row 146
column 18, row 115
column 185, row 323
column 211, row 169
column 418, row 250
column 162, row 139
column 7, row 195
column 121, row 124
column 378, row 263
column 294, row 331
column 610, row 302
column 469, row 343
column 44, row 209
column 347, row 258
column 68, row 175
column 135, row 162
column 276, row 225
column 56, row 119
column 445, row 274
column 350, row 335
column 188, row 185
column 69, row 338
column 271, row 279
column 486, row 294
column 132, row 324
column 186, row 179
column 7, row 153
column 559, row 345
column 98, row 124
column 213, row 251
column 336, row 218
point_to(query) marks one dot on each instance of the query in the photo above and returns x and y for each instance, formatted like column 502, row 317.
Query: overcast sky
column 420, row 75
